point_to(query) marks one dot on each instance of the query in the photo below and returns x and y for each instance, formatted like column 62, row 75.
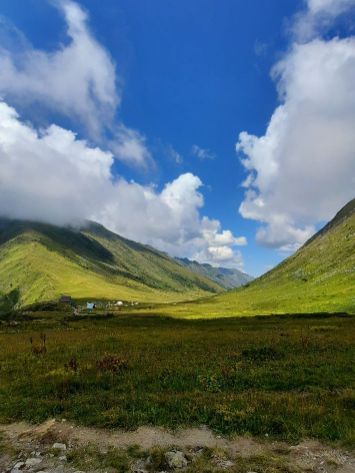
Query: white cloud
column 330, row 7
column 303, row 169
column 52, row 176
column 217, row 246
column 78, row 80
column 240, row 241
column 130, row 146
column 220, row 253
column 173, row 155
column 171, row 221
column 202, row 153
column 217, row 237
column 318, row 15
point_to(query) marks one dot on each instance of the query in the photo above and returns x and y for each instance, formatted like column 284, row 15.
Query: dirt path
column 307, row 456
column 145, row 437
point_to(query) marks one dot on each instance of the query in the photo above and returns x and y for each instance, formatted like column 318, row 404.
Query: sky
column 222, row 131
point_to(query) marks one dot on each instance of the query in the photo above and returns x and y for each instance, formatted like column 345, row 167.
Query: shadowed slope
column 43, row 261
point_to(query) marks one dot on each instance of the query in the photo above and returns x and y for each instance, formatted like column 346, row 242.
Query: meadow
column 286, row 377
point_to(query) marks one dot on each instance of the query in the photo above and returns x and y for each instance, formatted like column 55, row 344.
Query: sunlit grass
column 320, row 277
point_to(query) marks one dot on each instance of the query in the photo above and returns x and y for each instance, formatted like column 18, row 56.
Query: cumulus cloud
column 77, row 80
column 303, row 169
column 318, row 15
column 202, row 153
column 170, row 220
column 50, row 175
column 216, row 237
column 130, row 146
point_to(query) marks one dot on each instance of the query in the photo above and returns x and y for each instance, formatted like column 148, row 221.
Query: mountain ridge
column 345, row 212
column 228, row 278
column 319, row 277
column 45, row 260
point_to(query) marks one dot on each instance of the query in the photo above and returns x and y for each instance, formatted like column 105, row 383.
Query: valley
column 177, row 236
column 319, row 277
column 271, row 361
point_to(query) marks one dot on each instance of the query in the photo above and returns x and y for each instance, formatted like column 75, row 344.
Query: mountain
column 38, row 262
column 319, row 277
column 225, row 277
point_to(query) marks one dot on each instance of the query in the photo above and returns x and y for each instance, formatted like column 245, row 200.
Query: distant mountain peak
column 228, row 278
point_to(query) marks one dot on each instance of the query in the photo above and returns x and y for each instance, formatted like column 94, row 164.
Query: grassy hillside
column 319, row 277
column 226, row 277
column 39, row 262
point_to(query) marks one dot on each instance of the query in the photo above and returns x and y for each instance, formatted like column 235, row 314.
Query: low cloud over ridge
column 50, row 175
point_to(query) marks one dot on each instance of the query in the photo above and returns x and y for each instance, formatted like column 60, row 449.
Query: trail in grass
column 236, row 452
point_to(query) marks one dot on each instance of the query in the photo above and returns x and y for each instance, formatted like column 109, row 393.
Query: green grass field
column 285, row 377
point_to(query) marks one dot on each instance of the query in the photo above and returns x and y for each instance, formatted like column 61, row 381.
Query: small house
column 90, row 305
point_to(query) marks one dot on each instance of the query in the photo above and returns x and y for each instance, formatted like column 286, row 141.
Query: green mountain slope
column 225, row 277
column 319, row 277
column 43, row 261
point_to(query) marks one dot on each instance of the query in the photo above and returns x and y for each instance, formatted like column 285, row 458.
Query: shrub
column 112, row 363
column 41, row 348
column 72, row 365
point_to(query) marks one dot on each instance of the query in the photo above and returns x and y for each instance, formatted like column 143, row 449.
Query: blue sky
column 190, row 76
